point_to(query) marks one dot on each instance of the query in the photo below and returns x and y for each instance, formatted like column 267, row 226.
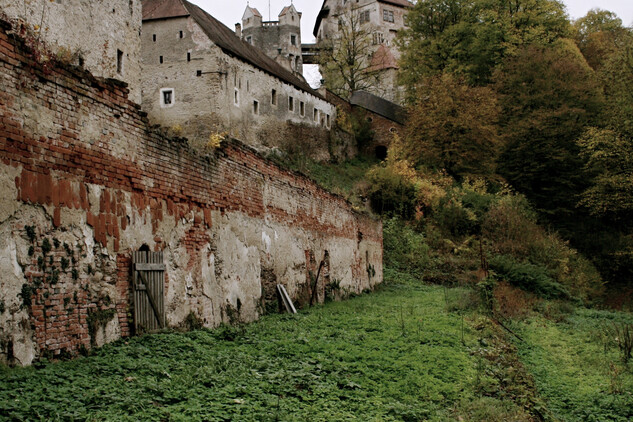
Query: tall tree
column 549, row 94
column 600, row 34
column 453, row 126
column 347, row 61
column 471, row 37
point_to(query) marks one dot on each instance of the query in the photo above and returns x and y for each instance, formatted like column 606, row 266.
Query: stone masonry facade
column 280, row 39
column 192, row 83
column 86, row 181
column 103, row 36
column 381, row 19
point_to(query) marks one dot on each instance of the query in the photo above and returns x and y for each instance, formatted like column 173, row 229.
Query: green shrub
column 529, row 277
column 454, row 219
column 391, row 193
column 405, row 250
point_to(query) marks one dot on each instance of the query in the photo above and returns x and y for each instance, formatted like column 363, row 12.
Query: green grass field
column 577, row 365
column 398, row 354
column 393, row 355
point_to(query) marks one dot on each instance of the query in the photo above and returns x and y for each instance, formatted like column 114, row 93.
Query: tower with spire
column 280, row 39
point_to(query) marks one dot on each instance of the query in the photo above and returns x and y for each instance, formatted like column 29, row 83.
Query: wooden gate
column 149, row 280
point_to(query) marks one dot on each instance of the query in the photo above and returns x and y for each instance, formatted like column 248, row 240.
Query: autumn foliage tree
column 470, row 38
column 452, row 126
column 549, row 94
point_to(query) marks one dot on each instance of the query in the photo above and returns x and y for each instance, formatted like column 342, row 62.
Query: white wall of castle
column 228, row 95
column 101, row 32
column 379, row 27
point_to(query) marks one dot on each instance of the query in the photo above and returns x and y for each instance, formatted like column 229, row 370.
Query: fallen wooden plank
column 290, row 308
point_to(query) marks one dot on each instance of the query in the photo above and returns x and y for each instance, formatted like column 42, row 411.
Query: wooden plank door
column 148, row 281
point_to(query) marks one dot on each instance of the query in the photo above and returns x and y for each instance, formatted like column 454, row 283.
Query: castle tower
column 280, row 39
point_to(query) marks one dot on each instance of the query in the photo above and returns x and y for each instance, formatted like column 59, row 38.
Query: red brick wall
column 132, row 164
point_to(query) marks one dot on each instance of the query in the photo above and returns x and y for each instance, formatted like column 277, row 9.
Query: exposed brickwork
column 94, row 161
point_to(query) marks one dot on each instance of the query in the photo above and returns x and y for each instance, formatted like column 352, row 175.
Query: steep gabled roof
column 383, row 58
column 225, row 38
column 163, row 9
column 254, row 11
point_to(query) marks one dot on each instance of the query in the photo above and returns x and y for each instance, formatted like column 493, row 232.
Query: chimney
column 238, row 30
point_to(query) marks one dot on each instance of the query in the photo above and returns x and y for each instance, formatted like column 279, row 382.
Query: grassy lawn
column 393, row 355
column 577, row 366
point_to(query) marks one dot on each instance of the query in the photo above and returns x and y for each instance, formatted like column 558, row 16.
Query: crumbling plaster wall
column 106, row 26
column 222, row 97
column 84, row 182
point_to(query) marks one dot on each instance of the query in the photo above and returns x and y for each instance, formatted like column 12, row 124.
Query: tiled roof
column 371, row 102
column 383, row 58
column 226, row 39
column 163, row 9
column 401, row 3
column 254, row 11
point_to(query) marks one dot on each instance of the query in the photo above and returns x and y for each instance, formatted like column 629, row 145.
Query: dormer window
column 249, row 39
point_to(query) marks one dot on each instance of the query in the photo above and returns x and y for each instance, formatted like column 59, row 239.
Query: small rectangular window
column 166, row 97
column 291, row 104
column 315, row 117
column 387, row 15
column 160, row 59
column 154, row 37
column 364, row 16
column 273, row 97
column 255, row 107
column 327, row 120
column 293, row 39
column 119, row 61
column 188, row 56
column 302, row 108
column 236, row 97
column 180, row 34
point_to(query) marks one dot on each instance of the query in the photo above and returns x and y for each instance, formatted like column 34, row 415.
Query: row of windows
column 167, row 100
column 293, row 39
column 317, row 114
column 181, row 35
column 365, row 16
column 161, row 59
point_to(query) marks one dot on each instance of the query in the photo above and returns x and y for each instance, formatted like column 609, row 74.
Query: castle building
column 380, row 18
column 107, row 42
column 280, row 39
column 198, row 75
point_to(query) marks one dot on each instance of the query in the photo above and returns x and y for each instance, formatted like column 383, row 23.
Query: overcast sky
column 230, row 12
